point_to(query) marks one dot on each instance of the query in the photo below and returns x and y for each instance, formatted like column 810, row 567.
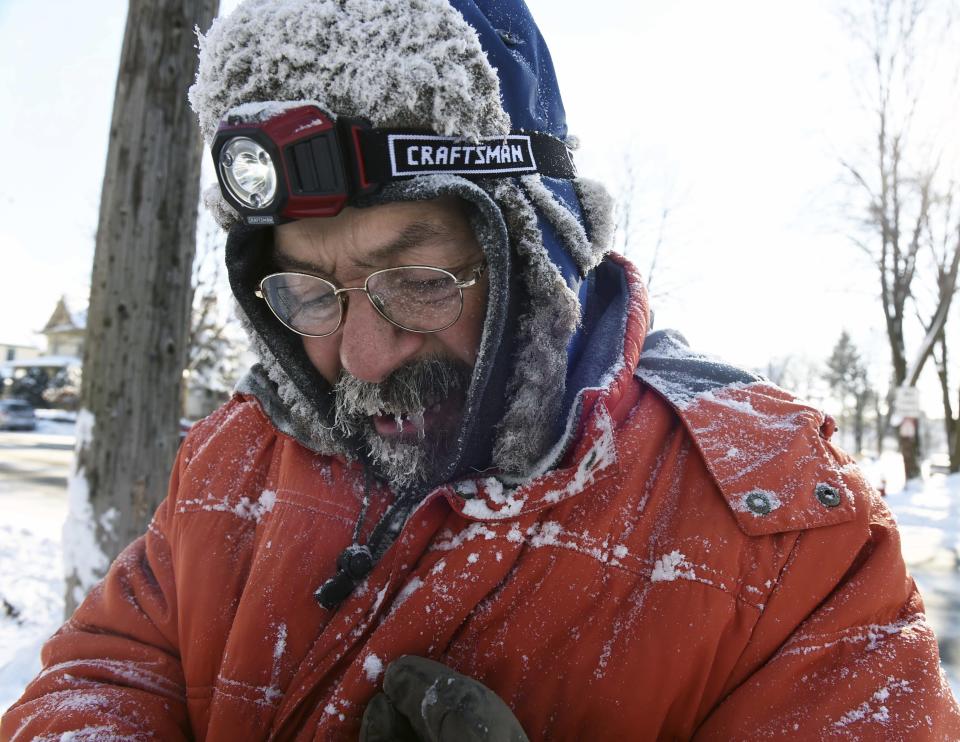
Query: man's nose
column 371, row 347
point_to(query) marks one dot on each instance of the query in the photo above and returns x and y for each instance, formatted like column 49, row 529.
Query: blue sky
column 58, row 63
column 733, row 115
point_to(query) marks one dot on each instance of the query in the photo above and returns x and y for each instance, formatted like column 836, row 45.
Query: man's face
column 404, row 392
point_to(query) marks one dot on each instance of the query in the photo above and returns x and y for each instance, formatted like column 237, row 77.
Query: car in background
column 940, row 463
column 15, row 414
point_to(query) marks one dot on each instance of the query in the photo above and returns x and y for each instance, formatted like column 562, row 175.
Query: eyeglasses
column 416, row 298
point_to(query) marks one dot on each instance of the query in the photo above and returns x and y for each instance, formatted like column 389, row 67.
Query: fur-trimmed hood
column 467, row 68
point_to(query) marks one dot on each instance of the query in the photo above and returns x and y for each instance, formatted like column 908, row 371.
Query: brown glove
column 425, row 701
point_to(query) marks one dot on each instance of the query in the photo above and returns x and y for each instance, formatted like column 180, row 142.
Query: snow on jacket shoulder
column 701, row 564
column 841, row 648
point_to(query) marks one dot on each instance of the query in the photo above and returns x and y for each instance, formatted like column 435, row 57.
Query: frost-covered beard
column 410, row 420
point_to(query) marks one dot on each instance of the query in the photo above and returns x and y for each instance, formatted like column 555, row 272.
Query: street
column 33, row 478
column 941, row 597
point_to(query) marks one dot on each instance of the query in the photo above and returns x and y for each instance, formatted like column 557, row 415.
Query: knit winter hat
column 465, row 68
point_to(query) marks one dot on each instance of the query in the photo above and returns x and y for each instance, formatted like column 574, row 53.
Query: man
column 455, row 501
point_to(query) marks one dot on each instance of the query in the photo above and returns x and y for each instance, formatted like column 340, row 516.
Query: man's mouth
column 415, row 425
column 401, row 424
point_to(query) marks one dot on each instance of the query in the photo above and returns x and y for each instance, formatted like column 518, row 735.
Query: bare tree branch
column 908, row 214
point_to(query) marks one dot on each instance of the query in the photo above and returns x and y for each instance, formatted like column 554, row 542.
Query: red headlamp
column 280, row 161
column 296, row 164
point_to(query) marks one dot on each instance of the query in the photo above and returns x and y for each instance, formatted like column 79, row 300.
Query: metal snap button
column 759, row 502
column 828, row 495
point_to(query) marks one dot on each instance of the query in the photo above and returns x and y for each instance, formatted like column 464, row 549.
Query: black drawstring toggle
column 354, row 563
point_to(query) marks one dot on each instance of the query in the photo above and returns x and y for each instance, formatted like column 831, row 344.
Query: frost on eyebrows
column 404, row 63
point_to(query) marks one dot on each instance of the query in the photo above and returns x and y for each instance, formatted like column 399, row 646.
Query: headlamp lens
column 248, row 172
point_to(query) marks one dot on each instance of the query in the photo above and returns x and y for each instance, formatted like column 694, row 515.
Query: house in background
column 58, row 370
column 17, row 352
column 64, row 333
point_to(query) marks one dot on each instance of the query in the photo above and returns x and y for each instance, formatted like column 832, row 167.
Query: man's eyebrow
column 287, row 263
column 413, row 235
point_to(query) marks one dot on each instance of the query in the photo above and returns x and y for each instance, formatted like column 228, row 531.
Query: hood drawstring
column 358, row 560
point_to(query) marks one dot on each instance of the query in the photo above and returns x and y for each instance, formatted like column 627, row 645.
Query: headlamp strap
column 395, row 155
column 277, row 162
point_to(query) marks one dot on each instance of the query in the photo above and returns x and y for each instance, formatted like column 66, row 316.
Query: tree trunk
column 909, row 449
column 955, row 440
column 951, row 424
column 859, row 412
column 140, row 293
column 881, row 422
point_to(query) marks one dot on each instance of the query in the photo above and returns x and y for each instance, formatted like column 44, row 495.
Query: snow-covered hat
column 465, row 68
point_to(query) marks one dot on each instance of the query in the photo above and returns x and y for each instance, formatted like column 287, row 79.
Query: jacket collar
column 585, row 455
column 768, row 453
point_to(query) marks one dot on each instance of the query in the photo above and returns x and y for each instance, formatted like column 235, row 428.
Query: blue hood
column 531, row 97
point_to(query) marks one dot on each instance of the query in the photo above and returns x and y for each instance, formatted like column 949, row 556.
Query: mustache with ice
column 424, row 398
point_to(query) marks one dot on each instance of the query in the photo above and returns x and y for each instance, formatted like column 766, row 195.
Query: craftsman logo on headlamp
column 277, row 161
column 412, row 154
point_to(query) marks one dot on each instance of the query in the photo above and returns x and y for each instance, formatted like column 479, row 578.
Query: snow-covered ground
column 31, row 604
column 33, row 500
column 34, row 504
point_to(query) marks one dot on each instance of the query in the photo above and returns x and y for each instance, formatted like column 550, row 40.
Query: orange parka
column 703, row 564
